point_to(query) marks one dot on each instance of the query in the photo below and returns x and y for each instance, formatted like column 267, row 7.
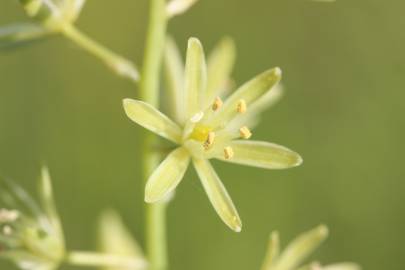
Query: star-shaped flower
column 205, row 127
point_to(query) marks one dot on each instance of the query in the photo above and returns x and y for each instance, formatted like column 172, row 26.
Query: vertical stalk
column 149, row 91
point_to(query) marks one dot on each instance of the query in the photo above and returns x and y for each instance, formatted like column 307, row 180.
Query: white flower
column 205, row 127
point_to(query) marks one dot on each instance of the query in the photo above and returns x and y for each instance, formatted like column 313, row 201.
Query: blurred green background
column 344, row 67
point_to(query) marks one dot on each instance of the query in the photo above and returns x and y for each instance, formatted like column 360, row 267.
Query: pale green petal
column 20, row 33
column 115, row 238
column 262, row 154
column 72, row 9
column 300, row 248
column 250, row 92
column 150, row 118
column 167, row 175
column 220, row 65
column 342, row 266
column 253, row 115
column 217, row 194
column 268, row 99
column 272, row 251
column 195, row 78
column 48, row 203
column 25, row 260
column 174, row 77
column 177, row 7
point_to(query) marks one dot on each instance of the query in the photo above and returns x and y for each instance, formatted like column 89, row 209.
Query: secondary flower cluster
column 31, row 234
column 298, row 251
column 206, row 127
column 58, row 17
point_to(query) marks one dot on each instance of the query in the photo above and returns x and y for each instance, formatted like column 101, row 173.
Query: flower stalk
column 94, row 259
column 149, row 92
column 117, row 63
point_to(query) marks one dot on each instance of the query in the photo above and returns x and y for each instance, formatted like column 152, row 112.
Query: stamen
column 245, row 132
column 241, row 107
column 228, row 152
column 7, row 230
column 210, row 140
column 217, row 104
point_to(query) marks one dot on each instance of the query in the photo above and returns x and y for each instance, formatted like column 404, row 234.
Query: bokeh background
column 344, row 67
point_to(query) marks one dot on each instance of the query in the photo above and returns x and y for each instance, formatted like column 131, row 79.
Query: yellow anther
column 210, row 140
column 241, row 107
column 217, row 104
column 228, row 152
column 245, row 132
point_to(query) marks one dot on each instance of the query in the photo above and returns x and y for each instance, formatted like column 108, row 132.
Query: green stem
column 92, row 259
column 156, row 246
column 117, row 63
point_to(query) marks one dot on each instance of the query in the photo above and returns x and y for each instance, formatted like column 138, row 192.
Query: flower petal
column 217, row 194
column 48, row 203
column 195, row 78
column 268, row 99
column 72, row 9
column 21, row 33
column 249, row 92
column 342, row 266
column 301, row 248
column 252, row 118
column 114, row 238
column 177, row 7
column 174, row 77
column 262, row 154
column 273, row 251
column 150, row 118
column 167, row 175
column 220, row 65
